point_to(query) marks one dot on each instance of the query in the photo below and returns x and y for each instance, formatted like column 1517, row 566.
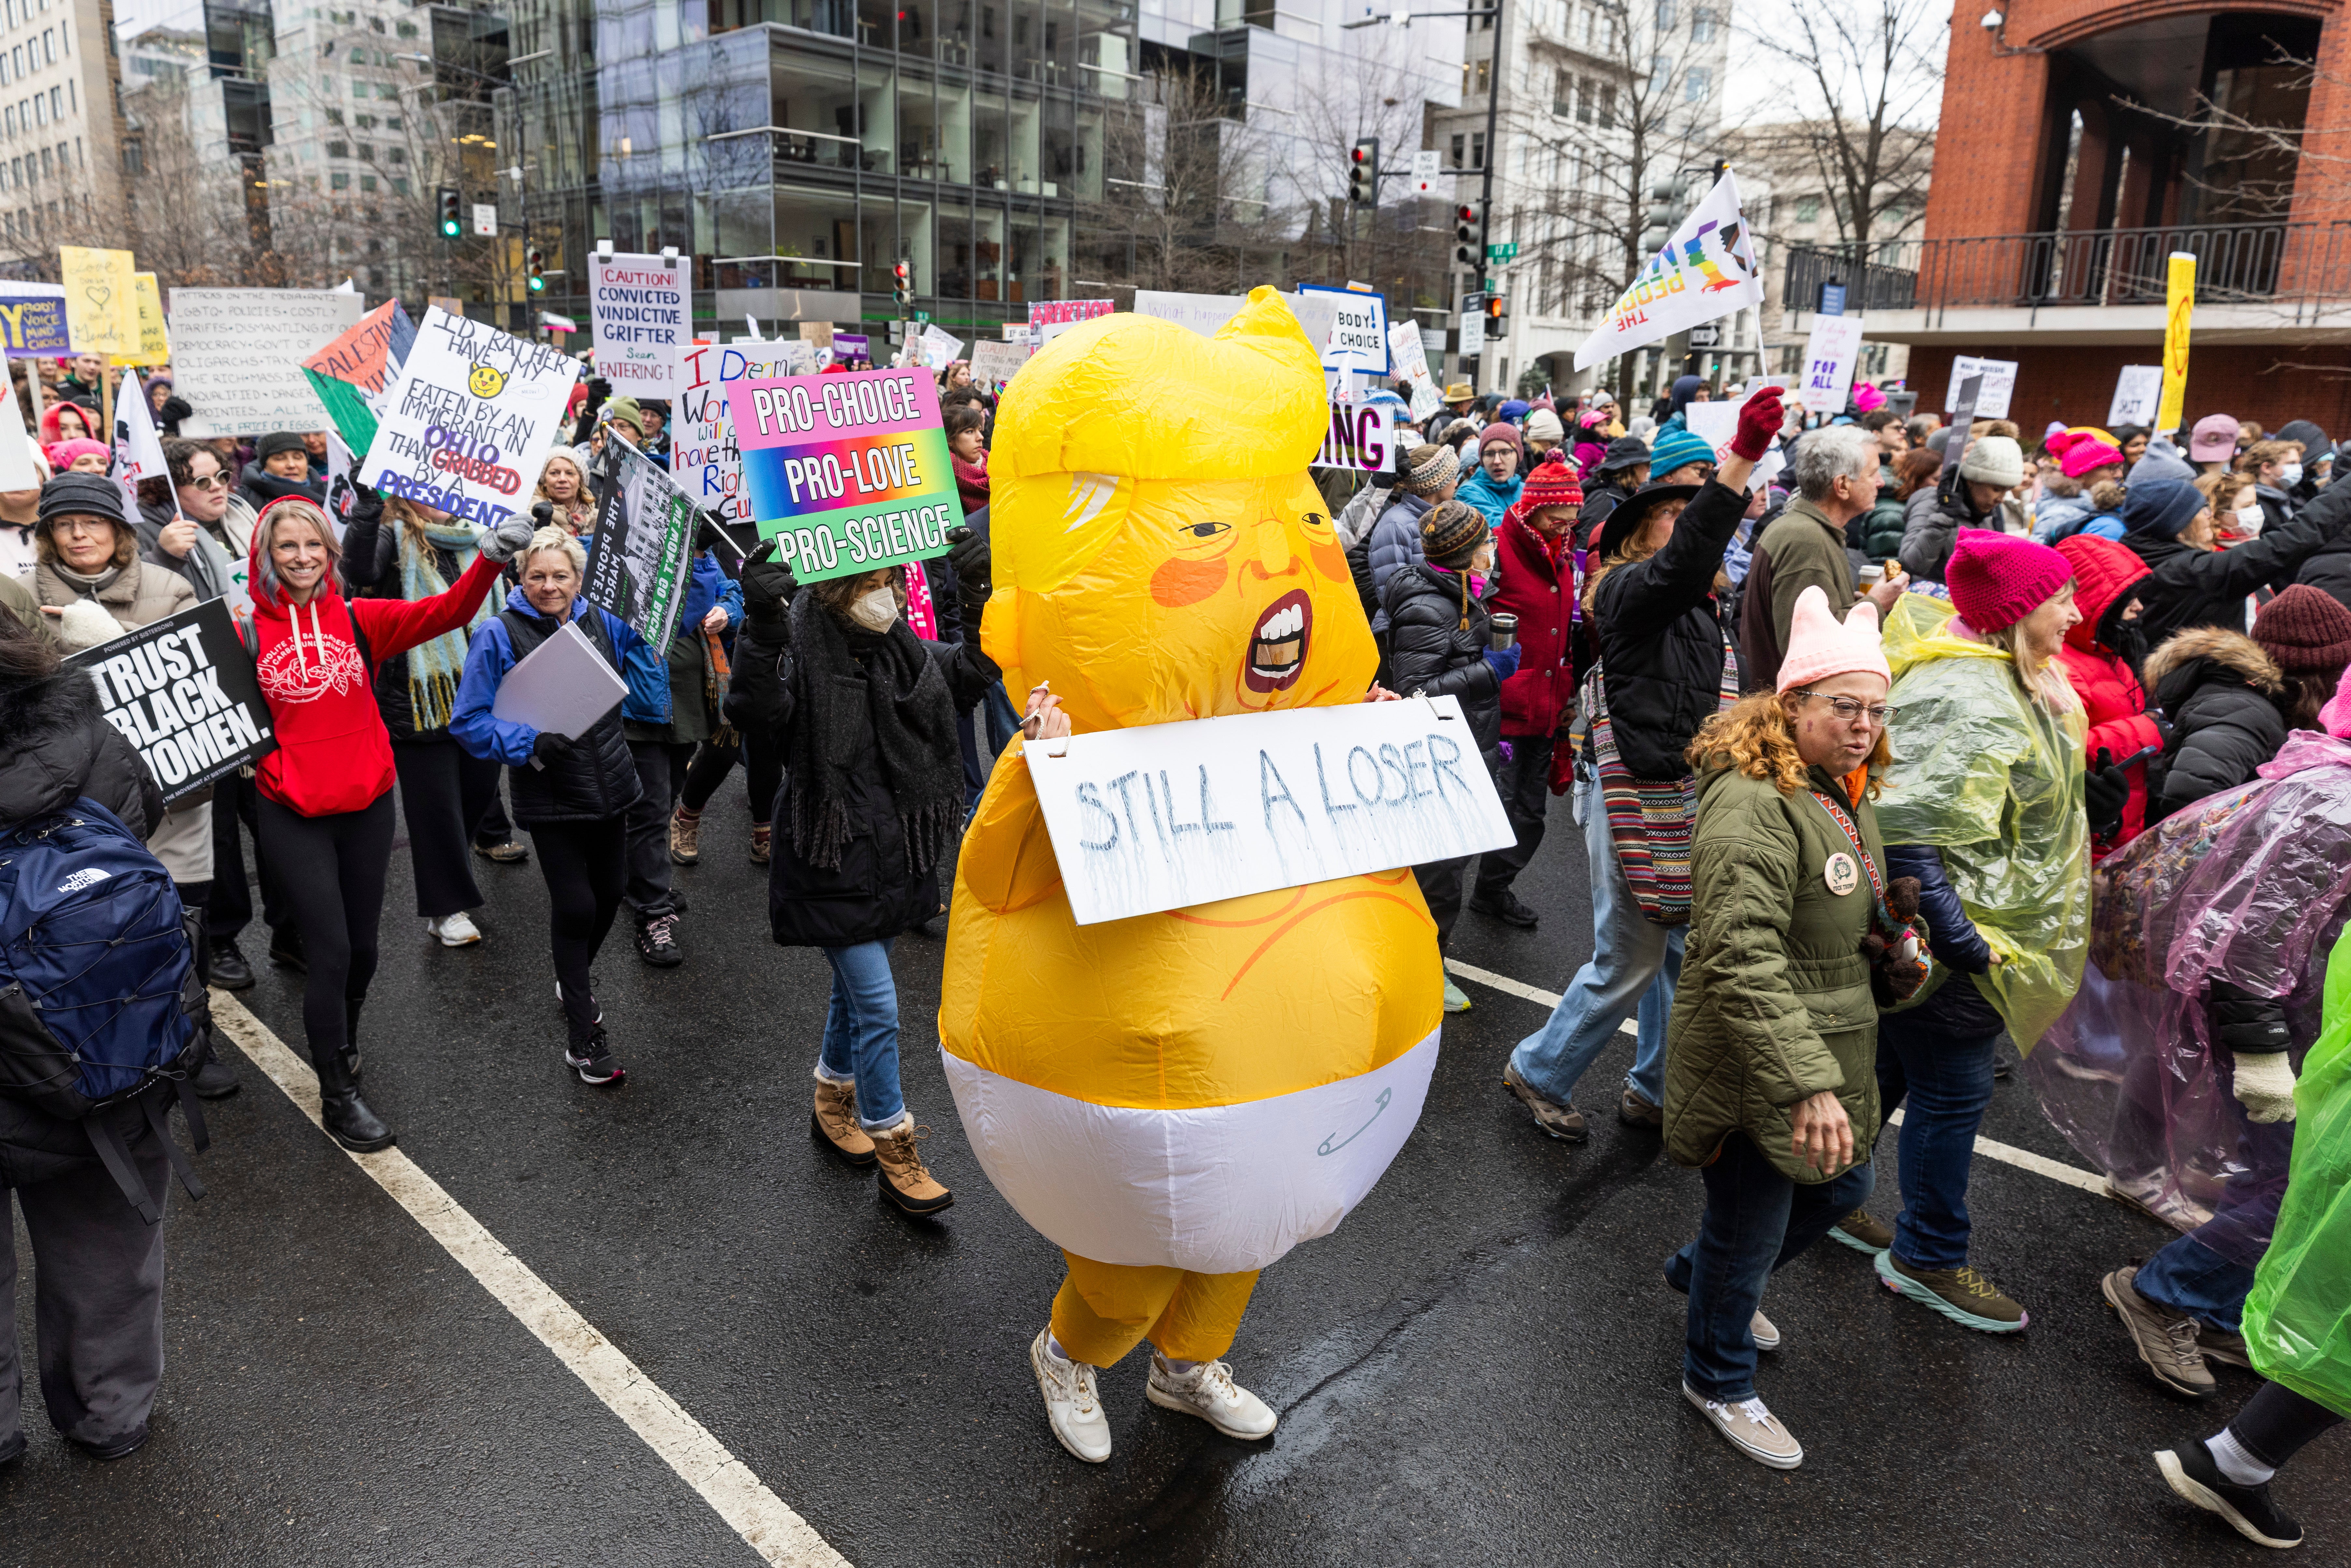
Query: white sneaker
column 1750, row 1428
column 456, row 930
column 1766, row 1332
column 1070, row 1405
column 1209, row 1391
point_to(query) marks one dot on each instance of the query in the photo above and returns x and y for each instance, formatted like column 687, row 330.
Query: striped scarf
column 435, row 667
column 1650, row 820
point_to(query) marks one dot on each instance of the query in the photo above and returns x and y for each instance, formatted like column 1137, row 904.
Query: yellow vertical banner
column 2178, row 305
column 147, row 303
column 101, row 312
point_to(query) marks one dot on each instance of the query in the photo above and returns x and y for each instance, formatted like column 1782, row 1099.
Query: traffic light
column 1498, row 308
column 1470, row 234
column 452, row 223
column 1668, row 205
column 535, row 259
column 902, row 284
column 1363, row 173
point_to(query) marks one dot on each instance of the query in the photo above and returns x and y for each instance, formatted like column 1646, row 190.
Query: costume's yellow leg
column 1105, row 1309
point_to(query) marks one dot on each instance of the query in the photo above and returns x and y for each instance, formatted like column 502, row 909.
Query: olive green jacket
column 1774, row 1003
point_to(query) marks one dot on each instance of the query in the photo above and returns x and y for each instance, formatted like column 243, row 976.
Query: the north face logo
column 90, row 877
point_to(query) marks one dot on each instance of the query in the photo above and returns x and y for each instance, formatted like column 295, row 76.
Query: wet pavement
column 1482, row 1365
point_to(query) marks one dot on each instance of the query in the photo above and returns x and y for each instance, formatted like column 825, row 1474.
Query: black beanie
column 275, row 442
column 82, row 494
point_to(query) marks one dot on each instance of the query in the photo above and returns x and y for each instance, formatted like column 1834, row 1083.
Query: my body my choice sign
column 847, row 473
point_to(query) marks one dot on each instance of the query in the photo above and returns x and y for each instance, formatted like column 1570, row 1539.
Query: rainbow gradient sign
column 847, row 473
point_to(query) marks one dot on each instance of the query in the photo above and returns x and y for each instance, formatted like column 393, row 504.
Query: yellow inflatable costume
column 1174, row 1099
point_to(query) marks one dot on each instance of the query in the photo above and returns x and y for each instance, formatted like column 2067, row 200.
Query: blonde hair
column 274, row 515
column 562, row 541
column 2049, row 685
column 1756, row 736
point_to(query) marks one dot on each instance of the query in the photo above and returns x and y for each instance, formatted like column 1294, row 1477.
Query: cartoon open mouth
column 1277, row 648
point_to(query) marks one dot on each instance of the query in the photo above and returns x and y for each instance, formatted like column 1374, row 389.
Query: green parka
column 1774, row 1003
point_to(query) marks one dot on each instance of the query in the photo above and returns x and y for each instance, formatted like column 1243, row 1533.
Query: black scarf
column 888, row 686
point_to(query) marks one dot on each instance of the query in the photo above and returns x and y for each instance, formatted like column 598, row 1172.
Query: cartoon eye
column 1316, row 520
column 1205, row 530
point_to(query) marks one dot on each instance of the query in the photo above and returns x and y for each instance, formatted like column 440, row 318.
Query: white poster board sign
column 467, row 426
column 1358, row 339
column 998, row 362
column 1832, row 353
column 1714, row 423
column 237, row 353
column 560, row 687
column 941, row 348
column 16, row 470
column 1359, row 439
column 1204, row 313
column 642, row 311
column 1172, row 815
column 2138, row 393
column 1999, row 386
column 1407, row 352
column 704, row 458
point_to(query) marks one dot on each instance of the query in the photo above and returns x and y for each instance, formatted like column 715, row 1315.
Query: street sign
column 1831, row 298
column 1425, row 167
column 1706, row 336
column 1473, row 331
column 485, row 219
column 1502, row 252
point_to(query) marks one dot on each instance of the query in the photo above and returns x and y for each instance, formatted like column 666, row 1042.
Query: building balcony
column 2255, row 283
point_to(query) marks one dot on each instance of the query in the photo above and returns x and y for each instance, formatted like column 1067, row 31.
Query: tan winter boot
column 834, row 1121
column 902, row 1179
column 685, row 836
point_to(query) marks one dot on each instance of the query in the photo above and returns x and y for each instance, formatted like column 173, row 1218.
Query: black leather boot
column 349, row 1121
column 351, row 1038
column 230, row 971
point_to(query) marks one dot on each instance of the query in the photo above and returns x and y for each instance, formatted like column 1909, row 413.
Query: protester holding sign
column 570, row 791
column 325, row 812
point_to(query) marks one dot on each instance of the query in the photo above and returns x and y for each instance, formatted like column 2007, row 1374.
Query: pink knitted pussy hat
column 1820, row 645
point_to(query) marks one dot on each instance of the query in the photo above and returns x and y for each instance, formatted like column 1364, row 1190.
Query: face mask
column 2289, row 474
column 875, row 610
column 1482, row 562
column 2248, row 518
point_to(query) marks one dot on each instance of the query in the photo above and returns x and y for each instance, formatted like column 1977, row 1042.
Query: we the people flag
column 1707, row 270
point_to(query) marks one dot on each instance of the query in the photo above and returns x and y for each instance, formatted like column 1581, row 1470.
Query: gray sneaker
column 2166, row 1339
column 2217, row 1344
column 1560, row 1121
column 1750, row 1428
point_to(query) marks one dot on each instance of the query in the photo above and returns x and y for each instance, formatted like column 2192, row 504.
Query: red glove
column 1562, row 763
column 1758, row 424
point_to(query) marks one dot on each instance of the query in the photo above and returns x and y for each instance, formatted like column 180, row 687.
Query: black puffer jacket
column 2220, row 692
column 2207, row 588
column 1661, row 637
column 1599, row 500
column 1430, row 651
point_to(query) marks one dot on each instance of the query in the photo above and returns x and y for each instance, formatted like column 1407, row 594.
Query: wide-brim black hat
column 1634, row 510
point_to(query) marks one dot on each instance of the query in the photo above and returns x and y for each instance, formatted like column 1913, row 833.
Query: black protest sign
column 641, row 557
column 181, row 690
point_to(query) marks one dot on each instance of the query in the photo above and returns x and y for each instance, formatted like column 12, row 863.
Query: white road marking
column 1990, row 1148
column 777, row 1533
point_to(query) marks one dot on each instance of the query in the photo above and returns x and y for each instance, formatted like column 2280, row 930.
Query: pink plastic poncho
column 2251, row 885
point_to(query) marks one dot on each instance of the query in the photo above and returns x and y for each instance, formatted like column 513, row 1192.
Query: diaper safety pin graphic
column 1329, row 1147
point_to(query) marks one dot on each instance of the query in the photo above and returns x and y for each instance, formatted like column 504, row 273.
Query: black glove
column 175, row 409
column 549, row 747
column 767, row 585
column 2106, row 788
column 542, row 514
column 968, row 556
column 367, row 503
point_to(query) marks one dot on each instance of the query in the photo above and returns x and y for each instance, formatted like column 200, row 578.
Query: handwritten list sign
column 237, row 356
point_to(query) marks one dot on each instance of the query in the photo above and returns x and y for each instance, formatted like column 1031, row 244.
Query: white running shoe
column 1072, row 1406
column 456, row 930
column 1750, row 1428
column 1766, row 1332
column 1209, row 1391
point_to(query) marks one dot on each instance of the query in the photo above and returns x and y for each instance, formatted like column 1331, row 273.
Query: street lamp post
column 522, row 137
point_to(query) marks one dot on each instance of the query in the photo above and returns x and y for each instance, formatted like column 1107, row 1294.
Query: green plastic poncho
column 2298, row 1317
column 1993, row 781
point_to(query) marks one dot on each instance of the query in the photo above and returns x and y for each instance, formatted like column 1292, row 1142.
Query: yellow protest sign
column 2179, row 304
column 154, row 346
column 101, row 312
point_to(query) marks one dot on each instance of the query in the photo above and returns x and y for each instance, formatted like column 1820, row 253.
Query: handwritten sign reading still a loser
column 1172, row 815
column 846, row 473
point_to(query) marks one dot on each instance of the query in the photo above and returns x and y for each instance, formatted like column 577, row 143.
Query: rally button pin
column 1841, row 875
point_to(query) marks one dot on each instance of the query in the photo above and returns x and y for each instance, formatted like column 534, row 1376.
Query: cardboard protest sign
column 1991, row 399
column 847, row 473
column 468, row 426
column 2138, row 393
column 1171, row 815
column 1706, row 271
column 154, row 340
column 33, row 319
column 704, row 459
column 1832, row 353
column 562, row 686
column 181, row 690
column 368, row 354
column 100, row 311
column 1359, row 438
column 1408, row 353
column 643, row 546
column 237, row 356
column 642, row 308
column 1359, row 330
column 998, row 362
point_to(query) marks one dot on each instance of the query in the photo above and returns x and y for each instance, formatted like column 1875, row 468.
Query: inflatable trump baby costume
column 1173, row 1099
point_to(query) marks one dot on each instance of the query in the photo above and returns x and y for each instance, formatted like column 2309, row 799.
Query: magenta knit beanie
column 1998, row 580
column 2078, row 452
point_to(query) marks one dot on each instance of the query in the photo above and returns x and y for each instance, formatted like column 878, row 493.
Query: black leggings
column 763, row 763
column 447, row 795
column 2276, row 1422
column 586, row 866
column 332, row 876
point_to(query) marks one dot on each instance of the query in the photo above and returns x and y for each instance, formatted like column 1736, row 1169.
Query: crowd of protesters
column 1895, row 750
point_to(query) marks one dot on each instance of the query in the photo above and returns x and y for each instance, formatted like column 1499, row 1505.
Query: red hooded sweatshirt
column 2107, row 574
column 334, row 753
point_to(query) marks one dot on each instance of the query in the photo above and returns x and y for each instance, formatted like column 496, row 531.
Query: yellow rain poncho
column 1993, row 780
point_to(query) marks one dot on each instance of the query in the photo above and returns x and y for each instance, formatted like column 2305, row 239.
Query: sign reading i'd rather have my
column 846, row 473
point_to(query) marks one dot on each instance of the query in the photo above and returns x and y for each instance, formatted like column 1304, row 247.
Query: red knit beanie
column 2306, row 630
column 1551, row 484
column 1998, row 580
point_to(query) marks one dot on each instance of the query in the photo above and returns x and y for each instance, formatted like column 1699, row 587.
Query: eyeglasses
column 1847, row 709
column 210, row 482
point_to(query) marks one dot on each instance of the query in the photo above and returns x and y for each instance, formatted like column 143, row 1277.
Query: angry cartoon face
column 486, row 381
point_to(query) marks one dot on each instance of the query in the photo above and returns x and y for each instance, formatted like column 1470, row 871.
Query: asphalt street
column 1482, row 1365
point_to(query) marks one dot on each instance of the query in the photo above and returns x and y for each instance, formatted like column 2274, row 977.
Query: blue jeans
column 1634, row 965
column 861, row 1031
column 2207, row 1273
column 1755, row 1220
column 1947, row 1081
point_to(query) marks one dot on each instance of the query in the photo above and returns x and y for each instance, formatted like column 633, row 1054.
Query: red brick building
column 2081, row 142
